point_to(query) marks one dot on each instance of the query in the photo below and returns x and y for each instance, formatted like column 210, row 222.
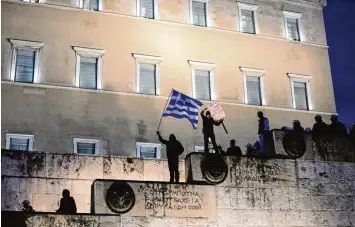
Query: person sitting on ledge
column 337, row 128
column 297, row 126
column 27, row 207
column 67, row 204
column 233, row 150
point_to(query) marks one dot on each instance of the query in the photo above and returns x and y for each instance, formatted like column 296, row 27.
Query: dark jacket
column 67, row 206
column 208, row 123
column 319, row 130
column 234, row 151
column 173, row 148
column 263, row 125
column 338, row 128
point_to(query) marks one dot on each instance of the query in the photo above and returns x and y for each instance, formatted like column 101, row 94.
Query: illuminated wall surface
column 55, row 111
column 229, row 191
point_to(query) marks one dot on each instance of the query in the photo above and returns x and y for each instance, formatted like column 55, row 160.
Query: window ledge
column 292, row 14
column 204, row 65
column 247, row 6
column 26, row 44
column 89, row 52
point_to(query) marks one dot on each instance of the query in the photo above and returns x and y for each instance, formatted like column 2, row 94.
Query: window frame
column 86, row 140
column 292, row 15
column 250, row 7
column 25, row 45
column 9, row 136
column 254, row 73
column 191, row 18
column 91, row 53
column 148, row 59
column 302, row 79
column 81, row 5
column 195, row 65
column 142, row 144
column 155, row 8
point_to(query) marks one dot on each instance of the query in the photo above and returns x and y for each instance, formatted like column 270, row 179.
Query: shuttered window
column 199, row 13
column 19, row 144
column 292, row 29
column 300, row 95
column 86, row 148
column 202, row 85
column 148, row 152
column 147, row 8
column 88, row 73
column 247, row 21
column 25, row 65
column 91, row 4
column 147, row 79
column 253, row 90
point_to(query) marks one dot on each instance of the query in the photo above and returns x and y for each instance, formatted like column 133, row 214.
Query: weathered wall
column 41, row 177
column 298, row 193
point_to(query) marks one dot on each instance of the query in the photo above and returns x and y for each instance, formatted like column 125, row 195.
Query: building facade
column 94, row 76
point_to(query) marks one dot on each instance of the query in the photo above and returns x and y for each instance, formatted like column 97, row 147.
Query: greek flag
column 182, row 106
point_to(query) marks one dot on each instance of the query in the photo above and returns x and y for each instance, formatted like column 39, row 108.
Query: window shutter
column 88, row 73
column 248, row 21
column 147, row 8
column 148, row 152
column 300, row 92
column 292, row 28
column 19, row 144
column 94, row 5
column 199, row 13
column 202, row 85
column 147, row 79
column 85, row 148
column 25, row 63
column 253, row 90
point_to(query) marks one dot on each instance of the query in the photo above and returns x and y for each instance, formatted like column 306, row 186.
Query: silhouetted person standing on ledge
column 262, row 130
column 173, row 149
column 233, row 150
column 337, row 128
column 319, row 129
column 67, row 203
column 207, row 129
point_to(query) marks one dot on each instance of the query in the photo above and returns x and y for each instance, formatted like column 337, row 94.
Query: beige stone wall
column 56, row 116
column 115, row 119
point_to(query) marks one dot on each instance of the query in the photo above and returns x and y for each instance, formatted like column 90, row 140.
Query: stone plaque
column 154, row 199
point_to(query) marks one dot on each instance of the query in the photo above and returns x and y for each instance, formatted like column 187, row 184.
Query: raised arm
column 163, row 141
column 203, row 113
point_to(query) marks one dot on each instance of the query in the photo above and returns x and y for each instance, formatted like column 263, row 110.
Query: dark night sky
column 339, row 16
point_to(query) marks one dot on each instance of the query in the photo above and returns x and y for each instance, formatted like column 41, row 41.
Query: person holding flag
column 207, row 129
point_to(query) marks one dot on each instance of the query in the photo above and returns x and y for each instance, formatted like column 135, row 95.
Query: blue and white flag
column 182, row 106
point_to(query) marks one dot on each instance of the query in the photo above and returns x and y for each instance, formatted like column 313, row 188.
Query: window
column 86, row 146
column 147, row 9
column 25, row 61
column 202, row 80
column 147, row 68
column 247, row 18
column 90, row 4
column 253, row 86
column 88, row 68
column 19, row 142
column 198, row 12
column 301, row 96
column 148, row 150
column 292, row 22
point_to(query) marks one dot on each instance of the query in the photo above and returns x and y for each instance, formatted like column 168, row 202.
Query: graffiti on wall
column 258, row 172
column 170, row 197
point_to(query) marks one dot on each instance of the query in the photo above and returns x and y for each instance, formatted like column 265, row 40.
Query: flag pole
column 167, row 101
